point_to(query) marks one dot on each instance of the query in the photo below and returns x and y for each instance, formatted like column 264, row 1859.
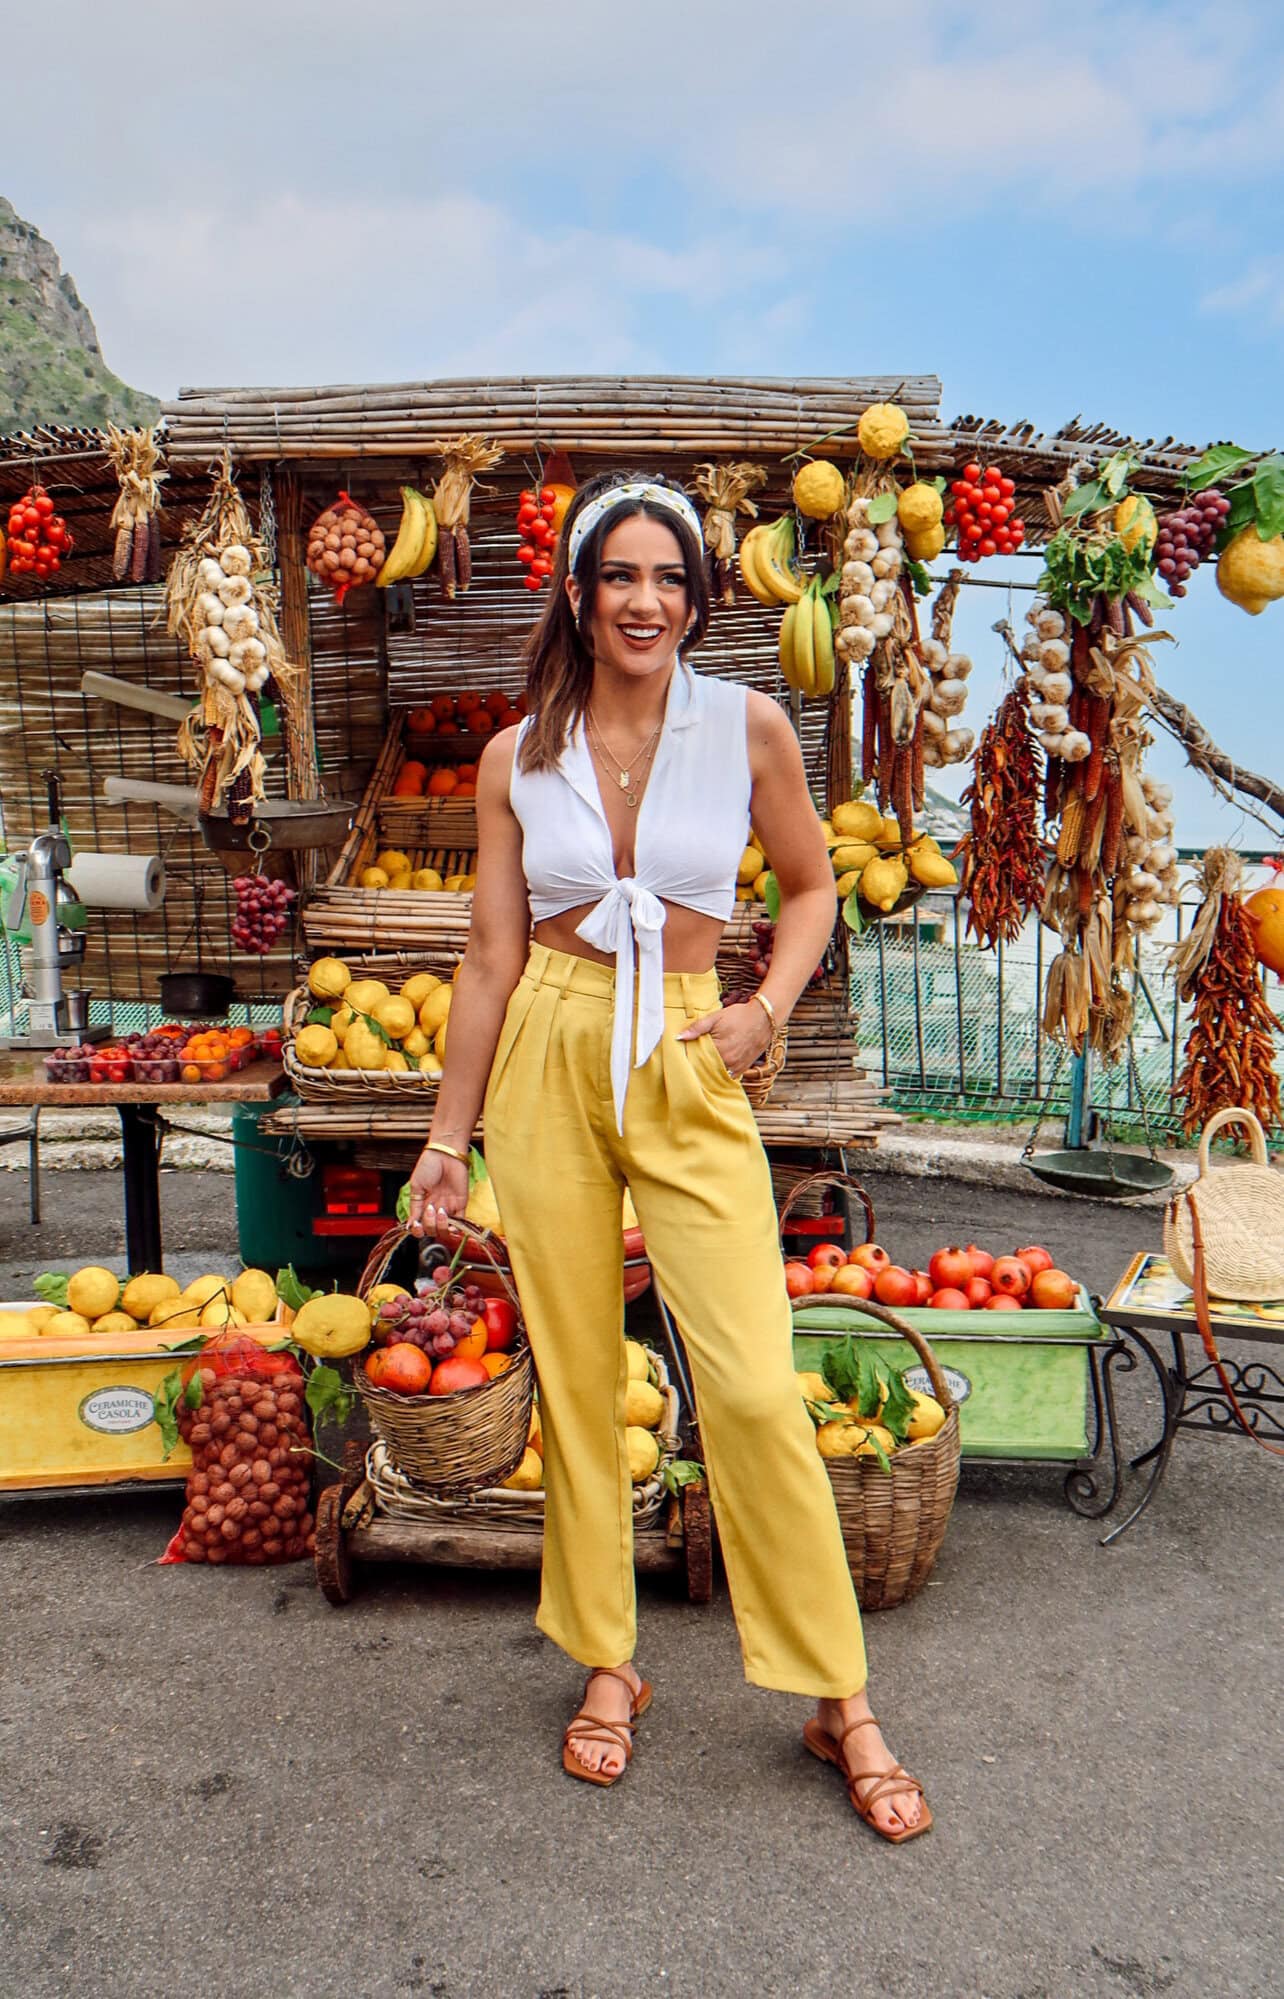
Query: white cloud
column 1259, row 289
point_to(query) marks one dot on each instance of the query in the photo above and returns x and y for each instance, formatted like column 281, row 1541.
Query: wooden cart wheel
column 697, row 1539
column 354, row 1468
column 333, row 1563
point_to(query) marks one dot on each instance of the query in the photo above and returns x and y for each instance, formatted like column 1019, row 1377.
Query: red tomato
column 971, row 473
column 869, row 1256
column 949, row 1299
column 43, row 504
column 501, row 1324
column 982, row 1261
column 979, row 1292
column 1000, row 1302
column 988, row 547
column 1036, row 1258
column 950, row 1269
column 1007, row 486
column 827, row 1252
column 852, row 1282
column 895, row 1286
column 1011, row 1276
column 799, row 1282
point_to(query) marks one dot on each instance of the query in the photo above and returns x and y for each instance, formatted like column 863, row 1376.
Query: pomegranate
column 823, row 1275
column 798, row 1280
column 448, row 1375
column 1036, row 1258
column 1011, row 1276
column 982, row 1261
column 949, row 1299
column 852, row 1282
column 895, row 1286
column 829, row 1252
column 950, row 1269
column 924, row 1284
column 1001, row 1302
column 869, row 1256
column 979, row 1292
column 1053, row 1290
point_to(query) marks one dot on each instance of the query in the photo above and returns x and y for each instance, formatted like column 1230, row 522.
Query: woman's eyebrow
column 657, row 568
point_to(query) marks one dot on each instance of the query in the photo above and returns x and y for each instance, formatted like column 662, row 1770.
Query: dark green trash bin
column 275, row 1210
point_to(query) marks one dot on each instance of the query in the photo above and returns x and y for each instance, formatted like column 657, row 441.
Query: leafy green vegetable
column 1268, row 497
column 1217, row 462
column 328, row 1396
column 679, row 1472
column 291, row 1290
column 52, row 1287
column 1079, row 567
column 165, row 1403
column 881, row 508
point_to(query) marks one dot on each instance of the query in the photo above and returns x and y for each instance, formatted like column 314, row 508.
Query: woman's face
column 641, row 608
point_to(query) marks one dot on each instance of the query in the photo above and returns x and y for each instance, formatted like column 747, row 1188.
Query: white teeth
column 641, row 632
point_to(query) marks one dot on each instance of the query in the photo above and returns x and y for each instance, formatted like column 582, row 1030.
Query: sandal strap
column 869, row 1722
column 621, row 1732
column 887, row 1782
column 611, row 1673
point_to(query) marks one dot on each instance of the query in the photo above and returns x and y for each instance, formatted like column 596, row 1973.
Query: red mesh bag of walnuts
column 243, row 1414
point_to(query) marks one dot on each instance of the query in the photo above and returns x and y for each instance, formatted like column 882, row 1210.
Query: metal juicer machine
column 42, row 905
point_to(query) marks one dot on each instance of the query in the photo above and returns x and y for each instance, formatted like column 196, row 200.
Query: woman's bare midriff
column 690, row 940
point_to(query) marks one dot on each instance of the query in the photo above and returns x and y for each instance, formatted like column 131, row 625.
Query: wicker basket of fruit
column 381, row 1067
column 892, row 1454
column 449, row 1385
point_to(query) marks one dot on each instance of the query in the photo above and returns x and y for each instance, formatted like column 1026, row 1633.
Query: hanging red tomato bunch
column 983, row 509
column 539, row 522
column 38, row 537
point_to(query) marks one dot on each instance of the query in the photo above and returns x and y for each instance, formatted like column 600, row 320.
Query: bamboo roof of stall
column 73, row 464
column 645, row 418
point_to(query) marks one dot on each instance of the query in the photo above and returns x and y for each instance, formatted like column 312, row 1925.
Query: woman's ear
column 575, row 592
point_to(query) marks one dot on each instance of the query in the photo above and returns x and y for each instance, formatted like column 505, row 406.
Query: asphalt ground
column 214, row 1782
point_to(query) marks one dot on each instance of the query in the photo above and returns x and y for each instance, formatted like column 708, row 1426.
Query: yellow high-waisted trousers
column 692, row 1158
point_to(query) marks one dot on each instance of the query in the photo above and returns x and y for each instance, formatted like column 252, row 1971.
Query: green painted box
column 1022, row 1388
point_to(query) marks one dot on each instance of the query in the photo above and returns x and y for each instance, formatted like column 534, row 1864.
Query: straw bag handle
column 824, row 1178
column 1203, row 1317
column 1233, row 1115
column 873, row 1310
column 387, row 1246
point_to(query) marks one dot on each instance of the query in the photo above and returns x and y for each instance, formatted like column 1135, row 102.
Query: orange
column 496, row 1363
column 473, row 1344
column 466, row 773
column 190, row 1073
column 443, row 706
column 240, row 1037
column 464, row 791
column 408, row 787
column 442, row 783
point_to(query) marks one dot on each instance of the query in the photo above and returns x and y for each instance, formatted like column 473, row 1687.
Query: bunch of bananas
column 416, row 544
column 807, row 644
column 767, row 563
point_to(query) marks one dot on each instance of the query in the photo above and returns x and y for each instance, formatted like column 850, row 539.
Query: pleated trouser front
column 693, row 1161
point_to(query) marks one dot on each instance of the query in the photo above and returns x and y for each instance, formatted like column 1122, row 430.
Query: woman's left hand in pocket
column 741, row 1034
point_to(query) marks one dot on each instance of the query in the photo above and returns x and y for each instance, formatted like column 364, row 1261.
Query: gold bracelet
column 451, row 1151
column 768, row 1009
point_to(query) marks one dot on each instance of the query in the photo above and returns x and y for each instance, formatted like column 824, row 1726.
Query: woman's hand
column 740, row 1033
column 438, row 1186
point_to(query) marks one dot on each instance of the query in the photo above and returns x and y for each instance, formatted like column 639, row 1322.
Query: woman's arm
column 498, row 941
column 787, row 824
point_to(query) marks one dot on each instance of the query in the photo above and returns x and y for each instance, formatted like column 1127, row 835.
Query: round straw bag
column 1241, row 1217
column 894, row 1522
column 452, row 1443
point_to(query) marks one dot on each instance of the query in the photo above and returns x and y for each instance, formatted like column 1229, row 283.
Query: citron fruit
column 372, row 878
column 882, row 430
column 846, row 883
column 883, row 882
column 529, row 1476
column 179, row 1313
column 818, row 489
column 643, row 1406
column 328, row 978
column 644, row 1452
column 430, row 1063
column 813, row 1386
column 415, row 1043
column 396, row 1016
column 928, row 1416
column 439, row 1042
column 1135, row 523
column 929, row 866
column 254, row 1293
column 884, row 1437
column 393, row 862
column 201, row 1289
column 363, row 1047
column 427, row 880
column 750, row 866
column 857, row 820
column 222, row 1312
column 93, row 1291
column 340, row 1021
column 926, row 545
column 396, row 1061
column 852, row 854
column 433, row 1012
column 364, row 995
column 919, row 508
column 341, row 1060
column 333, row 1326
column 316, row 1047
column 66, row 1326
column 417, row 989
column 114, row 1322
column 144, row 1292
column 1250, row 571
column 839, row 1440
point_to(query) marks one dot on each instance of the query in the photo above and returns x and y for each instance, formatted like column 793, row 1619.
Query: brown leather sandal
column 585, row 1725
column 885, row 1782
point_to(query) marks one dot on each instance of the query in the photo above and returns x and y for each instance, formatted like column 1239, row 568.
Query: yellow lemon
column 179, row 1313
column 316, row 1047
column 885, row 1438
column 643, row 1447
column 18, row 1326
column 415, row 1043
column 439, row 1042
column 399, row 881
column 396, row 1015
column 417, row 989
column 433, row 1012
column 857, row 820
column 928, row 1416
column 328, row 977
column 760, row 885
column 839, row 1440
column 380, row 1294
column 750, row 866
column 341, row 1060
column 372, row 878
column 846, row 883
column 643, row 1406
column 852, row 854
column 39, row 1316
column 926, row 545
column 341, row 1020
column 363, row 1047
column 919, row 508
column 114, row 1322
column 393, row 862
column 426, row 880
column 145, row 1291
column 254, row 1293
column 529, row 1476
column 813, row 1386
column 66, row 1326
column 222, row 1312
column 364, row 995
column 818, row 489
column 93, row 1291
column 395, row 1061
column 430, row 1063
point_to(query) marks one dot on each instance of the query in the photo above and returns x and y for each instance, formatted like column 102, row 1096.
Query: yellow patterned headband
column 637, row 489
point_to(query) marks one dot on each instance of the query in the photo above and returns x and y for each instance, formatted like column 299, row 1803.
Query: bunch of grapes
column 1187, row 536
column 982, row 508
column 262, row 912
column 435, row 1320
column 759, row 959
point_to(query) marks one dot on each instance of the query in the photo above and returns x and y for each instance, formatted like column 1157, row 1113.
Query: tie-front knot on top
column 691, row 830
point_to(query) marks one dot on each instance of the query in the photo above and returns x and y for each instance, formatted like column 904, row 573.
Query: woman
column 615, row 819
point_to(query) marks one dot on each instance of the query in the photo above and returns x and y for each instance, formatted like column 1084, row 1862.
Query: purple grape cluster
column 1186, row 537
column 262, row 912
column 759, row 959
column 434, row 1320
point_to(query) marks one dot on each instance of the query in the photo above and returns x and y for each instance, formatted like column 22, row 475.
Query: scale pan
column 1110, row 1176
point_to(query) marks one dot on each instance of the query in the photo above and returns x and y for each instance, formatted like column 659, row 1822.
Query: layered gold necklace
column 630, row 777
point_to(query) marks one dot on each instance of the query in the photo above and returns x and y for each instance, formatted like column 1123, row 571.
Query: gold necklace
column 627, row 779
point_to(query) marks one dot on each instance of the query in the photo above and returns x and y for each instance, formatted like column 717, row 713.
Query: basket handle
column 1234, row 1115
column 873, row 1310
column 828, row 1178
column 387, row 1246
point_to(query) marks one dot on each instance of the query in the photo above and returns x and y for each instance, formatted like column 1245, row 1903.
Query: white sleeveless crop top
column 692, row 828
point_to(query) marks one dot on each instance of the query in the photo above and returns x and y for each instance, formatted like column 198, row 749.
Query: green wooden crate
column 1022, row 1389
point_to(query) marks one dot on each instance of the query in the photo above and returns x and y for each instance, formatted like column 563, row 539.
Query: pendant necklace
column 628, row 779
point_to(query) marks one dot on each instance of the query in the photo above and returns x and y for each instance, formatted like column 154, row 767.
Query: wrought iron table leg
column 1081, row 1486
column 1173, row 1389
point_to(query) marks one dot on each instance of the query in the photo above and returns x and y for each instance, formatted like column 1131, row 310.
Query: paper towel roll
column 118, row 881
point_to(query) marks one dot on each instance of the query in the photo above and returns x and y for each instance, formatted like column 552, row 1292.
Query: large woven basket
column 343, row 1086
column 894, row 1521
column 451, row 1443
column 1241, row 1220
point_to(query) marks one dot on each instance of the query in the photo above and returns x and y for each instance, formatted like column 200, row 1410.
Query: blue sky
column 1055, row 210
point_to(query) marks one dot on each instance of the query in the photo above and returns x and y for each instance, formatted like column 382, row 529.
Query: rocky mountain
column 51, row 366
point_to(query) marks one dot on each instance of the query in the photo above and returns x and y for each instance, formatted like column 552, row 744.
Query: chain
column 1027, row 1152
column 267, row 516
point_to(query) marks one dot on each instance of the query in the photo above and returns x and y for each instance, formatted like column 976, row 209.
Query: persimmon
column 442, row 783
column 466, row 773
column 421, row 721
column 496, row 1363
column 403, row 1369
column 473, row 1345
column 455, row 1373
column 464, row 791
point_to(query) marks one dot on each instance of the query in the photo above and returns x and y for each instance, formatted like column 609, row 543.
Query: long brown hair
column 558, row 655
